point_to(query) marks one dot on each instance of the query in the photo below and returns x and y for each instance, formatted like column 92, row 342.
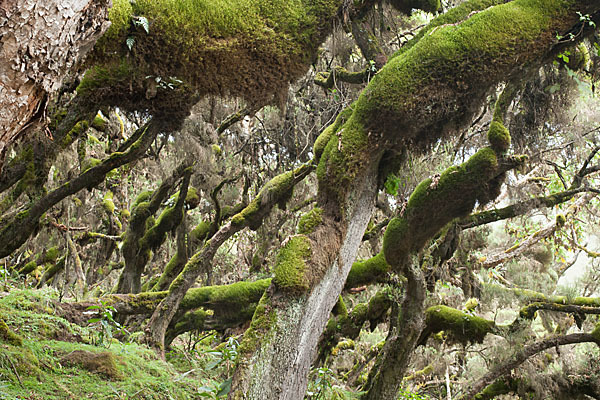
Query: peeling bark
column 40, row 42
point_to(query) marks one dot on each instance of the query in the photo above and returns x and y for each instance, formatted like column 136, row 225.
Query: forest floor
column 50, row 358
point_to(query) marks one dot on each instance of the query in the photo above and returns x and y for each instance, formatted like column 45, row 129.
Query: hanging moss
column 245, row 48
column 290, row 272
column 309, row 221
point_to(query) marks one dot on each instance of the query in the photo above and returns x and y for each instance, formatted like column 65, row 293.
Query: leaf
column 225, row 387
column 92, row 320
column 93, row 308
column 129, row 42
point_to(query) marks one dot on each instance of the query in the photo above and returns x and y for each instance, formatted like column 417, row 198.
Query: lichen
column 290, row 272
column 309, row 221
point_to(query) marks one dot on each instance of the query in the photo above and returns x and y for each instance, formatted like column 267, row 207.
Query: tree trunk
column 283, row 360
column 40, row 42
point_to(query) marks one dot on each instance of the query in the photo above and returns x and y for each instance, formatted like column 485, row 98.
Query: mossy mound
column 38, row 367
column 103, row 363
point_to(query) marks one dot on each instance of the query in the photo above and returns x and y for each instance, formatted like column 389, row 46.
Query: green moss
column 99, row 124
column 88, row 163
column 501, row 386
column 309, row 221
column 277, row 191
column 596, row 333
column 340, row 307
column 290, row 272
column 499, row 137
column 462, row 327
column 103, row 363
column 359, row 313
column 263, row 320
column 8, row 336
column 372, row 270
column 561, row 220
column 496, row 35
column 200, row 231
column 108, row 203
column 325, row 136
column 144, row 196
column 78, row 129
column 216, row 149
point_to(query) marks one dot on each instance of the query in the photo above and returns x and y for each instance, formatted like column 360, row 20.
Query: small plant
column 105, row 323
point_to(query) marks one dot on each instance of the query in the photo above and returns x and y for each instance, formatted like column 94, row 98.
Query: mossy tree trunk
column 422, row 93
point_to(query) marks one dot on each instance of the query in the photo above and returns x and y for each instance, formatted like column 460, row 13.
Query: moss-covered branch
column 517, row 209
column 277, row 191
column 524, row 354
column 16, row 230
column 144, row 234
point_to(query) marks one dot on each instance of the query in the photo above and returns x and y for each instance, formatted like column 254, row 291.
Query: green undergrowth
column 56, row 359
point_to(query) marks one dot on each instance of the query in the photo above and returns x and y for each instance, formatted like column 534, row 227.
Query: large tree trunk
column 40, row 41
column 427, row 90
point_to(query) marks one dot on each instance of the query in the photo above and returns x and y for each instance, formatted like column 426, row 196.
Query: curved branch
column 522, row 356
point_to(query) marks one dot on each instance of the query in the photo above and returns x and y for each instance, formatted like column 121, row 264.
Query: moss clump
column 290, row 273
column 200, row 231
column 263, row 319
column 8, row 336
column 108, row 203
column 144, row 196
column 374, row 269
column 309, row 221
column 462, row 327
column 99, row 363
column 561, row 220
column 89, row 163
column 99, row 124
column 499, row 137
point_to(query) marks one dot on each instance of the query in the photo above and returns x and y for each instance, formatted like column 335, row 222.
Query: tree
column 160, row 58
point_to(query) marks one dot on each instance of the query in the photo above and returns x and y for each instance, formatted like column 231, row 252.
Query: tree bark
column 40, row 43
